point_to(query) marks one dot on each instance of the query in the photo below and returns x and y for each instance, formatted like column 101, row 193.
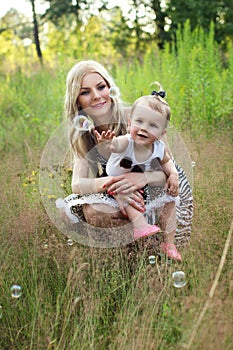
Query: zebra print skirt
column 184, row 209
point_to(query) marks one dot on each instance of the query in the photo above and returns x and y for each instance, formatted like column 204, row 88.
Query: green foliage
column 202, row 13
column 31, row 107
column 195, row 74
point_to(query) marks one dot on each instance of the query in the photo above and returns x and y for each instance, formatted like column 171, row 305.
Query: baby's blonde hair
column 83, row 143
column 155, row 102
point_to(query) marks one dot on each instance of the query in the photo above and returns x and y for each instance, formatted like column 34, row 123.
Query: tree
column 202, row 13
column 120, row 34
column 60, row 8
column 36, row 32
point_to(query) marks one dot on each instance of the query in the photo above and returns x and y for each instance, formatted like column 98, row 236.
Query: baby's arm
column 115, row 144
column 118, row 144
column 172, row 184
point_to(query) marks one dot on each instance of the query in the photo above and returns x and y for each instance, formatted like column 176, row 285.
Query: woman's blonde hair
column 82, row 143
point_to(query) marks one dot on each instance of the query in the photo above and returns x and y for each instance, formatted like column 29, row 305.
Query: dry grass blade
column 212, row 290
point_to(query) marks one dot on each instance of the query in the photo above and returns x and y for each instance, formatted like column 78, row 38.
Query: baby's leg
column 167, row 221
column 140, row 226
column 136, row 217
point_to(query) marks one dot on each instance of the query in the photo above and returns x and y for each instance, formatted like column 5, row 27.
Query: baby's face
column 146, row 125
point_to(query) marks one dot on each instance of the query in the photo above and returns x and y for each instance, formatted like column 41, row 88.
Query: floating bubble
column 46, row 246
column 16, row 291
column 114, row 92
column 193, row 164
column 178, row 278
column 82, row 123
column 70, row 242
column 152, row 259
column 0, row 311
column 56, row 155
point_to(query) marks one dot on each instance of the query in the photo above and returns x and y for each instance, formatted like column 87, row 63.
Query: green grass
column 79, row 297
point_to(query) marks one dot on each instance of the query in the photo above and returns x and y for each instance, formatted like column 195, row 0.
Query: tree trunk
column 36, row 33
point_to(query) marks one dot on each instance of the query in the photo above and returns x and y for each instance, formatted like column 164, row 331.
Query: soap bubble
column 114, row 92
column 56, row 159
column 0, row 311
column 70, row 242
column 16, row 291
column 193, row 164
column 152, row 259
column 82, row 123
column 178, row 278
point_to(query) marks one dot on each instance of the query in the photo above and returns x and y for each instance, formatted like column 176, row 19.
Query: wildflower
column 51, row 196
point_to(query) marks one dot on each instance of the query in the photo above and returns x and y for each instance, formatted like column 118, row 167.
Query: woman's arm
column 131, row 182
column 82, row 183
column 115, row 144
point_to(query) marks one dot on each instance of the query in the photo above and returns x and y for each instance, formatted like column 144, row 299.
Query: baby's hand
column 105, row 136
column 172, row 185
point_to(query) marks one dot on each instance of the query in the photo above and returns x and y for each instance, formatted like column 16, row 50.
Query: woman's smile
column 98, row 105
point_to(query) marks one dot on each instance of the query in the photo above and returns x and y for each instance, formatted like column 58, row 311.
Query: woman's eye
column 83, row 93
column 102, row 87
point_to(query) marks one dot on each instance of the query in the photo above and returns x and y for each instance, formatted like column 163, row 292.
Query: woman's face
column 94, row 98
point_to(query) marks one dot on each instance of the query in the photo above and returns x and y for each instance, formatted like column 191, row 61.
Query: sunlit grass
column 77, row 297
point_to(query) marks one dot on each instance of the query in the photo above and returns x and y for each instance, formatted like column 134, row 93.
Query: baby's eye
column 154, row 126
column 138, row 121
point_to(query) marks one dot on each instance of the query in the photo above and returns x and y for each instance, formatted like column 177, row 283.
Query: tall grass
column 76, row 297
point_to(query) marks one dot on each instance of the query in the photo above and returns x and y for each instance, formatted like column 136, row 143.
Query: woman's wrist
column 156, row 178
column 99, row 184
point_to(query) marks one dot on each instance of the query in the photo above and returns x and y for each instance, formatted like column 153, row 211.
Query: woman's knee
column 102, row 215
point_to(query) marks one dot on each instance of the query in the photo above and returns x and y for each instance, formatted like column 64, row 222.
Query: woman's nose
column 96, row 94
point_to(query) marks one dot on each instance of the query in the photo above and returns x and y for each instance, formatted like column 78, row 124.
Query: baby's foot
column 170, row 250
column 149, row 230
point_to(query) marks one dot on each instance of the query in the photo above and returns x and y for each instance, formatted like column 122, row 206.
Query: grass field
column 78, row 297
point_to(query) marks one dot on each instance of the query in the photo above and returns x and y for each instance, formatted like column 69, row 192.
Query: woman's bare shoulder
column 127, row 110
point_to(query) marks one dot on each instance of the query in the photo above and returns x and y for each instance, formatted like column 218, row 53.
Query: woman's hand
column 135, row 200
column 126, row 183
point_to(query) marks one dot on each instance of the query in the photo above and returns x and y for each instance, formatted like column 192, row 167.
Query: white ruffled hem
column 72, row 200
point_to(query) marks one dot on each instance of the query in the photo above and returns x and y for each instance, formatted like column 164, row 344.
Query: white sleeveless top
column 113, row 167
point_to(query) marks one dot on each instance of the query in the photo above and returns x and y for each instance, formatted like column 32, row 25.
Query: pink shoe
column 148, row 231
column 170, row 250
